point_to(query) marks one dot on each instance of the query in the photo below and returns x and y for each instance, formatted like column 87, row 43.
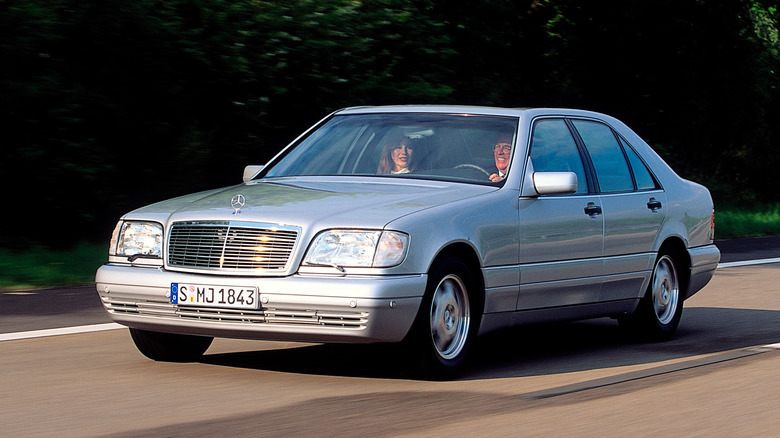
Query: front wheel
column 447, row 322
column 660, row 310
column 170, row 347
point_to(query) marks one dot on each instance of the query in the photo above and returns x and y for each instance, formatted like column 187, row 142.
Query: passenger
column 502, row 151
column 397, row 156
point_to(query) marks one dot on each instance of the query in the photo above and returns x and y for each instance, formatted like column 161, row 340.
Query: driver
column 502, row 151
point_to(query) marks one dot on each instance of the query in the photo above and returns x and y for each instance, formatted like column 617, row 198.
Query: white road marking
column 60, row 331
column 749, row 263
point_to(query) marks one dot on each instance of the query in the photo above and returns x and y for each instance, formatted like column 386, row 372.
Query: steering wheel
column 472, row 166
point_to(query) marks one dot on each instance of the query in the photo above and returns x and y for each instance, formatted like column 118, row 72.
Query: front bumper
column 306, row 308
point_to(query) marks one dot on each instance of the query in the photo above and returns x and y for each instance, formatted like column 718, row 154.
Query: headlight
column 378, row 249
column 136, row 238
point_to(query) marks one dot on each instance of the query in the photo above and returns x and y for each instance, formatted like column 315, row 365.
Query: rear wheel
column 660, row 310
column 447, row 322
column 170, row 347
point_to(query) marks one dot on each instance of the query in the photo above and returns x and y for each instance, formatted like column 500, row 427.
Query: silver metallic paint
column 540, row 258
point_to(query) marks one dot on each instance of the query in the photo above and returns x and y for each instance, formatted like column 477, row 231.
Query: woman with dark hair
column 397, row 156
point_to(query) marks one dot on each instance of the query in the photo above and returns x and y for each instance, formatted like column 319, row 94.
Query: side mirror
column 251, row 171
column 555, row 183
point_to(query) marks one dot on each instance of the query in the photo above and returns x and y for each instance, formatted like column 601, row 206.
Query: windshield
column 435, row 146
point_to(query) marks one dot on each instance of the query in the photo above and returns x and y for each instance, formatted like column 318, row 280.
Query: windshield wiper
column 135, row 257
column 325, row 265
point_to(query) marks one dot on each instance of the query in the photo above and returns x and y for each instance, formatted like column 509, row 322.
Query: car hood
column 309, row 201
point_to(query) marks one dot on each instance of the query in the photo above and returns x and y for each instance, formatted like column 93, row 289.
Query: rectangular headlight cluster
column 137, row 239
column 358, row 248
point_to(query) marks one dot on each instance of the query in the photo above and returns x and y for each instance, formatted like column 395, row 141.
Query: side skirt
column 495, row 321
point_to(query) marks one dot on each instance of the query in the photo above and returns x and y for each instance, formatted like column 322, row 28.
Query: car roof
column 465, row 109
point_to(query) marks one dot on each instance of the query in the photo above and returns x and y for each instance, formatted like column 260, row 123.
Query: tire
column 169, row 347
column 446, row 323
column 659, row 312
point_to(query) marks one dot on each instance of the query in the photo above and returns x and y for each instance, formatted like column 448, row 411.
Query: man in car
column 502, row 151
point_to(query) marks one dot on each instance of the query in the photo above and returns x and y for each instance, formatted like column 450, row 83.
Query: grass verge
column 41, row 268
column 759, row 220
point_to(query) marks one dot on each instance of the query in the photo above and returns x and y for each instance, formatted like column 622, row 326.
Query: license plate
column 214, row 296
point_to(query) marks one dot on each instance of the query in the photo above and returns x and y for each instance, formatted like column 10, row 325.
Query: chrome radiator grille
column 233, row 246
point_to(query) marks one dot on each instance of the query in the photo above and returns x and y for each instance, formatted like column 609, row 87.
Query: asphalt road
column 717, row 377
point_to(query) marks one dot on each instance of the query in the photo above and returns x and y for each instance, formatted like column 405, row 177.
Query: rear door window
column 609, row 161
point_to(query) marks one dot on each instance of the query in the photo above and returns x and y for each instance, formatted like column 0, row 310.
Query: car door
column 633, row 206
column 561, row 236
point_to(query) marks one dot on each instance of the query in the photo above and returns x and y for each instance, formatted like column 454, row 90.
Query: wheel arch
column 676, row 248
column 468, row 255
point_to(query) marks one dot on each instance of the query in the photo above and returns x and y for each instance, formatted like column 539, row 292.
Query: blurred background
column 108, row 105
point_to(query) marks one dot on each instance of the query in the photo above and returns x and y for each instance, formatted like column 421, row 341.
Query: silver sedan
column 426, row 225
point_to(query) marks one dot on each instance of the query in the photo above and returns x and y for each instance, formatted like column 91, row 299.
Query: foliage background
column 112, row 104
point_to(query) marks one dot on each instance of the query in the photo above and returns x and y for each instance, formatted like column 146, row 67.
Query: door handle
column 654, row 204
column 592, row 210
